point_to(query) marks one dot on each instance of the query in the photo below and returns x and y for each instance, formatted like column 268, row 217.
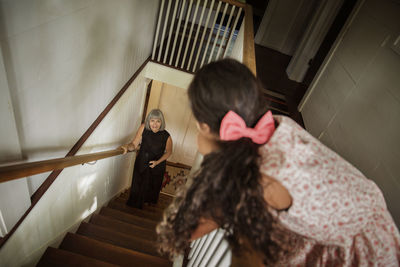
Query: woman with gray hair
column 155, row 146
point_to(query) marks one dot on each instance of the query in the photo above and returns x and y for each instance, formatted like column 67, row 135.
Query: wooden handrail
column 235, row 3
column 17, row 171
column 249, row 54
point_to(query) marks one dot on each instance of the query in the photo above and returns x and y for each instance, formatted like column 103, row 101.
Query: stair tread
column 123, row 227
column 156, row 209
column 60, row 257
column 141, row 213
column 162, row 195
column 119, row 239
column 128, row 218
column 109, row 253
column 161, row 203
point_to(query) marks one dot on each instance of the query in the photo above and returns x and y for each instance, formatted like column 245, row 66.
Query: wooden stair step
column 161, row 195
column 138, row 212
column 116, row 238
column 59, row 257
column 146, row 207
column 123, row 227
column 128, row 218
column 163, row 202
column 110, row 253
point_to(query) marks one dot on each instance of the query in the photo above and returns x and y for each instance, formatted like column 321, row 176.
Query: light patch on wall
column 90, row 210
column 3, row 227
column 85, row 184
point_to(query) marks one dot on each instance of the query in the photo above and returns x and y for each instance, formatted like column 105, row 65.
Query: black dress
column 146, row 181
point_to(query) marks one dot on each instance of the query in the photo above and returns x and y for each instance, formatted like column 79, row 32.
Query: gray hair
column 155, row 114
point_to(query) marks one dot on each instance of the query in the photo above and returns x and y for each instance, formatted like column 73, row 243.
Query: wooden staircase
column 118, row 235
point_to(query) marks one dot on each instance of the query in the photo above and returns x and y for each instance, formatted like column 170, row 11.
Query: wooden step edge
column 162, row 201
column 128, row 218
column 123, row 227
column 134, row 211
column 119, row 239
column 146, row 207
column 60, row 257
column 162, row 195
column 109, row 253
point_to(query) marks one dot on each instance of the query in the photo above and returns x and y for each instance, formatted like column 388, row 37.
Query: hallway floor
column 271, row 70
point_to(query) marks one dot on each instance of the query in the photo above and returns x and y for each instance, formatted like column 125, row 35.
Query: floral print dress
column 341, row 214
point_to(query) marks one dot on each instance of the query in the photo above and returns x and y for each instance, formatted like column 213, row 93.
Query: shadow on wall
column 9, row 68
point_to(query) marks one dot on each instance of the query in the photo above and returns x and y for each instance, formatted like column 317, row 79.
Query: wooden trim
column 172, row 67
column 146, row 102
column 249, row 55
column 235, row 3
column 17, row 171
column 51, row 178
column 179, row 165
column 312, row 38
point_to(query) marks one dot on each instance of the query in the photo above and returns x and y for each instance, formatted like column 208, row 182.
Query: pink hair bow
column 233, row 127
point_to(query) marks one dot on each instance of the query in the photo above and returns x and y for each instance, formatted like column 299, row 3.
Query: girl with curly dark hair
column 272, row 187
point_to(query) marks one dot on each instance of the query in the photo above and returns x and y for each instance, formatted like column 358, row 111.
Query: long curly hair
column 226, row 188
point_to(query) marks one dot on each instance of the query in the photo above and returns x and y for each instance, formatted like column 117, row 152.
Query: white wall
column 168, row 75
column 64, row 61
column 80, row 190
column 353, row 104
column 237, row 49
column 10, row 151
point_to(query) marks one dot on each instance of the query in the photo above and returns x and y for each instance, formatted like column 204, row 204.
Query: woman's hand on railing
column 128, row 148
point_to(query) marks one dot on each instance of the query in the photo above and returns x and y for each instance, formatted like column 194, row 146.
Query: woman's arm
column 134, row 144
column 168, row 152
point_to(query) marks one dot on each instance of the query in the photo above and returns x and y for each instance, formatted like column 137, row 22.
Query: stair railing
column 203, row 33
column 12, row 172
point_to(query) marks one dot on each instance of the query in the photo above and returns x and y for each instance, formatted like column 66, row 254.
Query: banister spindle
column 232, row 32
column 225, row 31
column 201, row 256
column 170, row 30
column 183, row 33
column 164, row 30
column 219, row 30
column 190, row 33
column 158, row 30
column 203, row 34
column 197, row 251
column 177, row 32
column 211, row 32
column 197, row 33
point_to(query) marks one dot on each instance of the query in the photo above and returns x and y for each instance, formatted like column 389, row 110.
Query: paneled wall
column 353, row 104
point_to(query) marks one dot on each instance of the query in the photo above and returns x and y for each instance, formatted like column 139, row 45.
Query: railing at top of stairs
column 191, row 33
